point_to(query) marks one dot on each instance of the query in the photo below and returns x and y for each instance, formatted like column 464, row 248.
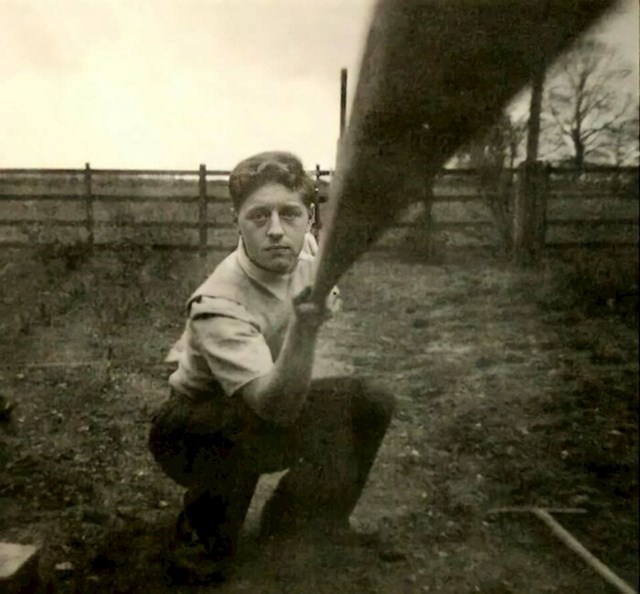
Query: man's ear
column 234, row 218
column 312, row 216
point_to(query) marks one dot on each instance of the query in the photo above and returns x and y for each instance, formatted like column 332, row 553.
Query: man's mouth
column 277, row 248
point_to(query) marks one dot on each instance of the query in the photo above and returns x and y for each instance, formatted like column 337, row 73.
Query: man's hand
column 308, row 314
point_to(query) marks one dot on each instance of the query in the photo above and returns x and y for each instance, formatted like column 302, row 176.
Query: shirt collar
column 276, row 284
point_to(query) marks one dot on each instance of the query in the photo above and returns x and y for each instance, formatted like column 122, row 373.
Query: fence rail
column 36, row 202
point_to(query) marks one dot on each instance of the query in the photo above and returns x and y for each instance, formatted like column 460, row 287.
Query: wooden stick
column 570, row 541
column 433, row 75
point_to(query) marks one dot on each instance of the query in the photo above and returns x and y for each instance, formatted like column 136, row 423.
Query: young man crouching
column 242, row 400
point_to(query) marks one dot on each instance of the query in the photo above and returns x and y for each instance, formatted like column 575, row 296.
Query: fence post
column 343, row 100
column 202, row 210
column 530, row 213
column 317, row 224
column 343, row 110
column 88, row 204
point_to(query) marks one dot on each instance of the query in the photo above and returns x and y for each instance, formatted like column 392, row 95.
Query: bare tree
column 586, row 104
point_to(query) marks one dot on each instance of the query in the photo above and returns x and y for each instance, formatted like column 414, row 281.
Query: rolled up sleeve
column 231, row 343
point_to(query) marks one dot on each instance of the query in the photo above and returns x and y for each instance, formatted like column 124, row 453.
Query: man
column 242, row 400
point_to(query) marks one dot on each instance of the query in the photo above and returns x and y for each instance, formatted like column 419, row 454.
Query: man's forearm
column 280, row 395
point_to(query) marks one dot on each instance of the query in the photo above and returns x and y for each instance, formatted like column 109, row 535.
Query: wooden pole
column 88, row 204
column 202, row 209
column 343, row 100
column 535, row 108
column 343, row 111
column 568, row 539
column 526, row 224
column 317, row 221
column 343, row 125
column 530, row 213
column 415, row 77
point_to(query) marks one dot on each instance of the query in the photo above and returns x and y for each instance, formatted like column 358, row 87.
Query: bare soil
column 509, row 394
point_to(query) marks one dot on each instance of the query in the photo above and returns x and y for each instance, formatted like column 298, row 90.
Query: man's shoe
column 191, row 564
column 185, row 532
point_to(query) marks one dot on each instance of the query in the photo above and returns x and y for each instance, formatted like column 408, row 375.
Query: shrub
column 68, row 256
column 598, row 282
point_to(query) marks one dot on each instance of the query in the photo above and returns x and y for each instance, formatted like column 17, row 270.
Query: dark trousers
column 218, row 448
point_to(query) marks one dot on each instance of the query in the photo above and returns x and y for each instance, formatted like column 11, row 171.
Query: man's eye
column 290, row 213
column 259, row 216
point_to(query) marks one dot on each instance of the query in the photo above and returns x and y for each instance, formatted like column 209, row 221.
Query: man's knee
column 168, row 441
column 374, row 403
column 367, row 397
column 168, row 453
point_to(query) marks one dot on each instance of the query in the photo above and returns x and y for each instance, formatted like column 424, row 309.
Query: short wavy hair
column 271, row 167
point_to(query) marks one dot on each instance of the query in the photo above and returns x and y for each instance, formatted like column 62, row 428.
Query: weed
column 67, row 256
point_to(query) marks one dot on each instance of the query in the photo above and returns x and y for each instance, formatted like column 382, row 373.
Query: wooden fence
column 191, row 209
column 35, row 203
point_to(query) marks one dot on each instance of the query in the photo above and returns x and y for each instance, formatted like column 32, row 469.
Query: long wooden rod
column 589, row 558
column 433, row 74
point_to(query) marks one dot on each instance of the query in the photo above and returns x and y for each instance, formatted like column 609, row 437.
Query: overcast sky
column 175, row 83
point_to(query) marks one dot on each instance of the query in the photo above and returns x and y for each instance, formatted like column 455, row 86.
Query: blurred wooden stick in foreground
column 433, row 74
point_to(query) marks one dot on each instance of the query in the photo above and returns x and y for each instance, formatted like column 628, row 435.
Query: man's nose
column 275, row 227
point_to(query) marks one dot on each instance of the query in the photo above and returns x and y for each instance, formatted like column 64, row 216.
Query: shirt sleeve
column 230, row 341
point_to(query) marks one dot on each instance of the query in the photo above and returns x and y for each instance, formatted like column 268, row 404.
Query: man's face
column 273, row 222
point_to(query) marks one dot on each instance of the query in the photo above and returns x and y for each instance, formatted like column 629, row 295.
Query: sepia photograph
column 318, row 297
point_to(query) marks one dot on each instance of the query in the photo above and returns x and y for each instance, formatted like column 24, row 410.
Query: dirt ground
column 510, row 393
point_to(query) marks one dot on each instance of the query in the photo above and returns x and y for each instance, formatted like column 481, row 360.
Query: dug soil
column 509, row 395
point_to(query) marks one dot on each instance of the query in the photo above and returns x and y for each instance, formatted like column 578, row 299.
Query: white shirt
column 237, row 320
